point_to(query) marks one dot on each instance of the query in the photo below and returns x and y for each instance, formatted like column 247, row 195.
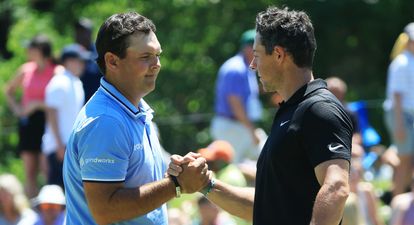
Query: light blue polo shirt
column 112, row 141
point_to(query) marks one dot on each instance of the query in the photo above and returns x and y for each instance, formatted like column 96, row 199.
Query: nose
column 157, row 63
column 253, row 64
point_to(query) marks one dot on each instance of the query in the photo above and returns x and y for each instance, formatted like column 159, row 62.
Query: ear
column 280, row 53
column 111, row 61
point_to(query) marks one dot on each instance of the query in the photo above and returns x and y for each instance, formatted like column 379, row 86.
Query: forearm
column 398, row 111
column 329, row 204
column 128, row 203
column 240, row 113
column 235, row 200
column 13, row 105
column 10, row 90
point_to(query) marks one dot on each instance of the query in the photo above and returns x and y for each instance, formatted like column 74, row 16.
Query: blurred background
column 354, row 38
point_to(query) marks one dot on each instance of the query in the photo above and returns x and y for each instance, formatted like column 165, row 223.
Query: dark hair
column 114, row 32
column 41, row 42
column 203, row 201
column 289, row 29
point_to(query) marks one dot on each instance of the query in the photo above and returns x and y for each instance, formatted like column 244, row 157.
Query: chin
column 268, row 88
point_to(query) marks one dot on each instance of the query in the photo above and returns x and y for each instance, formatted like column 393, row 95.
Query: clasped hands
column 191, row 171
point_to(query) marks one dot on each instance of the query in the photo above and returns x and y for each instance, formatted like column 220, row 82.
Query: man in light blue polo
column 113, row 167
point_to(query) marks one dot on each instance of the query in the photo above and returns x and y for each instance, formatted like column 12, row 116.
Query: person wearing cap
column 50, row 204
column 237, row 104
column 219, row 155
column 114, row 171
column 32, row 77
column 64, row 98
column 399, row 108
column 14, row 205
column 302, row 173
column 91, row 76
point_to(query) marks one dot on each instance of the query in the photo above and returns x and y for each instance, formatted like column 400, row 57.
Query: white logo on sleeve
column 335, row 147
column 284, row 122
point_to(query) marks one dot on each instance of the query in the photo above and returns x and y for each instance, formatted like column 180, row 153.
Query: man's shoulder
column 323, row 105
column 402, row 59
column 102, row 110
column 234, row 65
column 321, row 97
column 59, row 80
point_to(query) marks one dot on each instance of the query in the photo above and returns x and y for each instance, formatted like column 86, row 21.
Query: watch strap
column 177, row 186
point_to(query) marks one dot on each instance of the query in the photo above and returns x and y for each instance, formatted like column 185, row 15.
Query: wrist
column 176, row 185
column 209, row 188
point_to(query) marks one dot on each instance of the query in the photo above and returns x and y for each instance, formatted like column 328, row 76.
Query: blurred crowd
column 54, row 90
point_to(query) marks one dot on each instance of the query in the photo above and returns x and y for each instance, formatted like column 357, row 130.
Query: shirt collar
column 143, row 112
column 305, row 90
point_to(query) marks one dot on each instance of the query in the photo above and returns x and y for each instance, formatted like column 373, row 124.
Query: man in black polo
column 303, row 169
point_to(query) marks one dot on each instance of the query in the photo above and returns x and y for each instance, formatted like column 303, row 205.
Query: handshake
column 191, row 172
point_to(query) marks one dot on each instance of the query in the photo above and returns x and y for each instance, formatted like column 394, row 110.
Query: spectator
column 14, row 206
column 50, row 204
column 237, row 104
column 219, row 155
column 402, row 207
column 32, row 77
column 210, row 214
column 177, row 217
column 64, row 99
column 362, row 196
column 399, row 110
column 339, row 88
column 91, row 75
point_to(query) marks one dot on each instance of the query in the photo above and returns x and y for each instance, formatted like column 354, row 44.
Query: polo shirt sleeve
column 397, row 75
column 104, row 150
column 327, row 133
column 234, row 84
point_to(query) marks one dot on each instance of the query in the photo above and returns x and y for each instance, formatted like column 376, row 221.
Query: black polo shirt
column 310, row 128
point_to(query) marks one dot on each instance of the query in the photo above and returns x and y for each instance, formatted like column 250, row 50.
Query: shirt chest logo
column 335, row 148
column 284, row 122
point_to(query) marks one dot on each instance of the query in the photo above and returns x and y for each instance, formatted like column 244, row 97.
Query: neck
column 49, row 220
column 295, row 79
column 41, row 64
column 410, row 47
column 125, row 91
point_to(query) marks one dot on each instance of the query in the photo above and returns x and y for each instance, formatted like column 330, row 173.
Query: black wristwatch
column 177, row 186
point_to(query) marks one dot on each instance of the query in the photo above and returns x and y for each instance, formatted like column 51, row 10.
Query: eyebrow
column 152, row 53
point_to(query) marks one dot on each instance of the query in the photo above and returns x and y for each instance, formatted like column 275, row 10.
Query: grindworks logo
column 96, row 160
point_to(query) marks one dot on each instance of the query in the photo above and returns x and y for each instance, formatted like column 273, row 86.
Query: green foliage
column 197, row 36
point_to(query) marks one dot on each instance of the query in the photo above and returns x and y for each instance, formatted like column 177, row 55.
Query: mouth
column 150, row 75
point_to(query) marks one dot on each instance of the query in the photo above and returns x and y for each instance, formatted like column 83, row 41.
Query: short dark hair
column 41, row 42
column 290, row 29
column 114, row 32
